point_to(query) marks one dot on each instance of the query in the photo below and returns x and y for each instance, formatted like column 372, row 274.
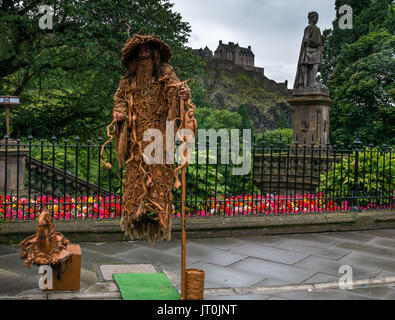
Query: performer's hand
column 118, row 116
column 184, row 93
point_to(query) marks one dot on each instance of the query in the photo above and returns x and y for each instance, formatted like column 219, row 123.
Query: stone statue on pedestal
column 310, row 101
column 311, row 110
column 310, row 57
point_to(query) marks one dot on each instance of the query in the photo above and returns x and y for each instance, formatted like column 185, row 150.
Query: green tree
column 66, row 77
column 216, row 119
column 282, row 122
column 368, row 15
column 246, row 118
column 363, row 91
column 358, row 70
column 273, row 137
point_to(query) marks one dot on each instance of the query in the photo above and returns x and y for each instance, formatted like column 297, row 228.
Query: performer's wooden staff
column 183, row 200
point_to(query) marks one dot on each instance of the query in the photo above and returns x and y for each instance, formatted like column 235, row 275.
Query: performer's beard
column 144, row 74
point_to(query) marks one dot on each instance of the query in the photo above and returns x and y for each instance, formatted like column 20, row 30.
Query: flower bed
column 106, row 207
column 61, row 208
column 298, row 204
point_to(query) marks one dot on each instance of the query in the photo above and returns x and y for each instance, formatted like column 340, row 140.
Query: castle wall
column 256, row 72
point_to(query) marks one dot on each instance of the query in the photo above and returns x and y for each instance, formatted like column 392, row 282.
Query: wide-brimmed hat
column 130, row 50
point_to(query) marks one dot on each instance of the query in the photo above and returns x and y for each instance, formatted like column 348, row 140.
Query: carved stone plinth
column 12, row 162
column 299, row 171
column 295, row 173
column 311, row 108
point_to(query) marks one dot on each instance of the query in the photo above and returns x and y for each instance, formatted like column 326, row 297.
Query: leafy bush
column 375, row 174
column 56, row 156
column 218, row 177
column 274, row 137
column 216, row 119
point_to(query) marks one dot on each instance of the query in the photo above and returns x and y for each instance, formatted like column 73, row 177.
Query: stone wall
column 216, row 226
column 256, row 72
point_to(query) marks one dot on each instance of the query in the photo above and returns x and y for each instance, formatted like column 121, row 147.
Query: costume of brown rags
column 147, row 96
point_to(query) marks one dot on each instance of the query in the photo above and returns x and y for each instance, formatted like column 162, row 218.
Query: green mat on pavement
column 145, row 286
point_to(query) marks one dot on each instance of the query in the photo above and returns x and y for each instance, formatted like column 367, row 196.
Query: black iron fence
column 68, row 178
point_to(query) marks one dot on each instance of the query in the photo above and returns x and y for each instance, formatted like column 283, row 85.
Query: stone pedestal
column 295, row 173
column 71, row 277
column 299, row 171
column 311, row 108
column 12, row 166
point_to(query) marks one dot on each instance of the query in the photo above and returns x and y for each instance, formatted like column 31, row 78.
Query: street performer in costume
column 147, row 96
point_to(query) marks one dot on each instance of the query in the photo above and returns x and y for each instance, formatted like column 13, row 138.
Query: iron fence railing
column 69, row 179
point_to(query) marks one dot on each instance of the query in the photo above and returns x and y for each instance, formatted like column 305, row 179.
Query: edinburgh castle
column 232, row 57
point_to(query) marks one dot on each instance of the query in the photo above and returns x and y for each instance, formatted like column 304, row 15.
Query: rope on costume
column 184, row 162
column 107, row 165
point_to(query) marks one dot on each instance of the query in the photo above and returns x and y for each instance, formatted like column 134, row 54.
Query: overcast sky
column 274, row 28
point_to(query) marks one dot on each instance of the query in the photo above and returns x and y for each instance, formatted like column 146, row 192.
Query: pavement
column 283, row 267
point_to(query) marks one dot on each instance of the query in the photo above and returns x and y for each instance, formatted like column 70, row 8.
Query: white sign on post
column 9, row 100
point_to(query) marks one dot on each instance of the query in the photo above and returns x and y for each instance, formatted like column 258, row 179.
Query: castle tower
column 233, row 52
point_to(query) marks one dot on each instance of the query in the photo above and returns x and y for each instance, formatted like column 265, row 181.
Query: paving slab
column 350, row 236
column 360, row 271
column 385, row 274
column 165, row 260
column 320, row 277
column 13, row 283
column 108, row 270
column 269, row 282
column 175, row 278
column 227, row 277
column 88, row 276
column 4, row 250
column 373, row 262
column 100, row 287
column 313, row 238
column 109, row 248
column 270, row 253
column 264, row 240
column 309, row 248
column 91, row 259
column 240, row 263
column 208, row 254
column 273, row 270
column 379, row 241
column 13, row 263
column 220, row 243
column 384, row 233
column 369, row 248
column 162, row 245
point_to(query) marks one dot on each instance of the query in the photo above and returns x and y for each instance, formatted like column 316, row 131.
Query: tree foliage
column 362, row 88
column 66, row 77
column 358, row 69
column 276, row 138
column 282, row 122
column 216, row 119
column 368, row 16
